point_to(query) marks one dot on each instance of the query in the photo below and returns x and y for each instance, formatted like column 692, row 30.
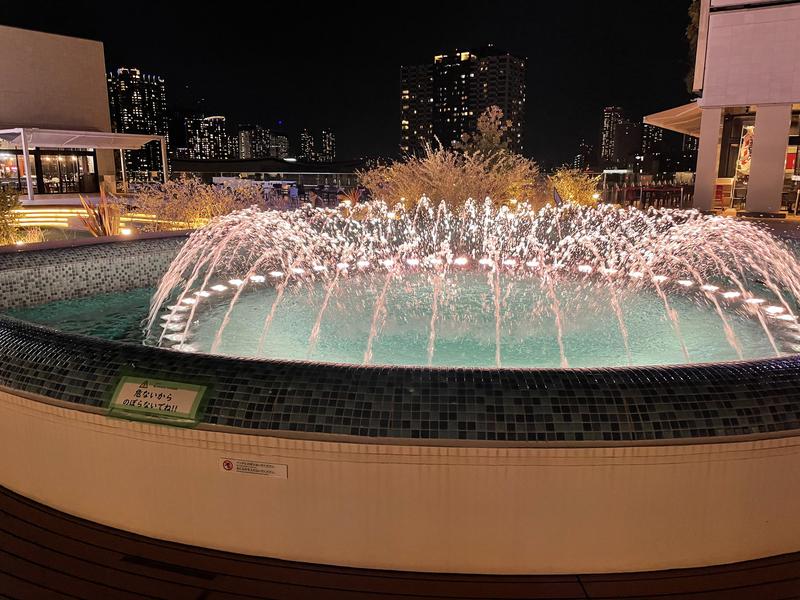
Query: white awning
column 683, row 119
column 63, row 138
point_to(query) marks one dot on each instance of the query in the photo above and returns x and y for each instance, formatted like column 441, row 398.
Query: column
column 771, row 136
column 26, row 156
column 705, row 179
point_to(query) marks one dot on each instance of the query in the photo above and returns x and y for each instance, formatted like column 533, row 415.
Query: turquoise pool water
column 465, row 332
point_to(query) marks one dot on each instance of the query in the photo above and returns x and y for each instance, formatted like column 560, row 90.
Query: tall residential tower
column 443, row 100
column 138, row 104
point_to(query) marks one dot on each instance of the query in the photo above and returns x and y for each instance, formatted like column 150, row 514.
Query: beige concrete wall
column 449, row 509
column 54, row 81
column 751, row 56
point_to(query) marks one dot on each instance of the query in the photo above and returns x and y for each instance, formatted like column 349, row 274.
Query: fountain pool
column 479, row 287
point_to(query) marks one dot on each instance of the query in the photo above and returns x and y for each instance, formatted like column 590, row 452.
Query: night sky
column 337, row 64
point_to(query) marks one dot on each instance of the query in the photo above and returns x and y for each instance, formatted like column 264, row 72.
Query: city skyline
column 638, row 62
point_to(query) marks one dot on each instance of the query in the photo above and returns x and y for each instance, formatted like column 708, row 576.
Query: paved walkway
column 50, row 555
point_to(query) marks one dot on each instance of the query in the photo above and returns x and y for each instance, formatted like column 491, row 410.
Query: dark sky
column 337, row 64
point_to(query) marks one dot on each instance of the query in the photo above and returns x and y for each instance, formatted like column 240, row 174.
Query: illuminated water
column 565, row 287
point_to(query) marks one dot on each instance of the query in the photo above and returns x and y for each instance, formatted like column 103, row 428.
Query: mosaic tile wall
column 39, row 276
column 647, row 403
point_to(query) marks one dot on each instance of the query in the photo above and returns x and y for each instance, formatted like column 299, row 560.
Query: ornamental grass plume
column 479, row 166
column 188, row 203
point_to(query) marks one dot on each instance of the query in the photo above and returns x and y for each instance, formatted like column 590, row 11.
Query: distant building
column 583, row 159
column 138, row 104
column 254, row 142
column 232, row 140
column 652, row 140
column 501, row 82
column 279, row 145
column 689, row 146
column 327, row 146
column 443, row 101
column 627, row 143
column 454, row 96
column 612, row 115
column 416, row 107
column 653, row 152
column 308, row 150
column 206, row 138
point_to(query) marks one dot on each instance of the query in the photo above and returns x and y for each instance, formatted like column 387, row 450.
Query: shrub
column 102, row 219
column 574, row 186
column 453, row 177
column 187, row 203
column 8, row 219
column 479, row 166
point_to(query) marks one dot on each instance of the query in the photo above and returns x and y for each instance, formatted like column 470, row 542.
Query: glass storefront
column 55, row 171
column 738, row 135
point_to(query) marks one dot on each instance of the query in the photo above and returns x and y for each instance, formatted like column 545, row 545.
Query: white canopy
column 35, row 137
column 65, row 138
column 683, row 119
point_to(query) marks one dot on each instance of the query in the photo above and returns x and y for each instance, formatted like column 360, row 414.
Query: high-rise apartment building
column 279, row 145
column 442, row 101
column 583, row 159
column 501, row 82
column 308, row 151
column 416, row 107
column 138, row 104
column 652, row 140
column 254, row 142
column 455, row 98
column 206, row 138
column 612, row 115
column 327, row 146
column 627, row 143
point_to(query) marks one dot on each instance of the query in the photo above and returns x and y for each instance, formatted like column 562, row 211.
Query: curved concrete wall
column 539, row 509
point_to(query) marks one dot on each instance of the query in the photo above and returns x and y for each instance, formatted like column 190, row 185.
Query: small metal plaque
column 254, row 467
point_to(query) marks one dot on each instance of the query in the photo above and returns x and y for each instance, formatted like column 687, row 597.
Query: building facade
column 308, row 150
column 206, row 138
column 327, row 146
column 60, row 85
column 612, row 115
column 501, row 82
column 442, row 101
column 254, row 142
column 416, row 107
column 748, row 114
column 583, row 159
column 138, row 104
column 279, row 144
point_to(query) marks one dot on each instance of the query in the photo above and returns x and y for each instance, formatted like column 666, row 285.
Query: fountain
column 480, row 286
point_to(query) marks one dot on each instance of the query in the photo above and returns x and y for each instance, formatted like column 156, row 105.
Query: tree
column 489, row 137
column 692, row 34
column 574, row 186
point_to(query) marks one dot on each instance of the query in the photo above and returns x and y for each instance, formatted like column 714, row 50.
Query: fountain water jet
column 374, row 267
